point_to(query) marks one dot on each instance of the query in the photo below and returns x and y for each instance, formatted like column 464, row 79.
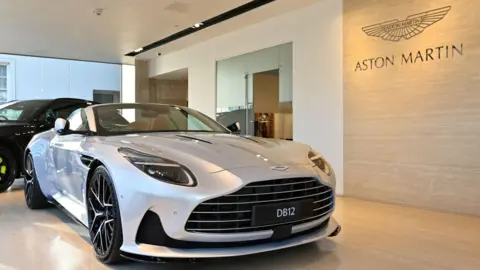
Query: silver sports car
column 161, row 181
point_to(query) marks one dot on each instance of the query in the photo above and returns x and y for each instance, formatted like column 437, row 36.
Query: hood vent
column 193, row 138
column 251, row 139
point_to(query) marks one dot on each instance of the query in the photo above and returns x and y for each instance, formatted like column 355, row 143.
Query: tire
column 34, row 197
column 104, row 220
column 8, row 166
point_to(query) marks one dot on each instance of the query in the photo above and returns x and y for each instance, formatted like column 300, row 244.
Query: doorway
column 255, row 91
column 271, row 118
column 103, row 96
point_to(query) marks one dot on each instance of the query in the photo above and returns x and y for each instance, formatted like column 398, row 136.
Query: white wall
column 37, row 77
column 317, row 35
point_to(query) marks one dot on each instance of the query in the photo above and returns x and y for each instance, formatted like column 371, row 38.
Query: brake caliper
column 3, row 167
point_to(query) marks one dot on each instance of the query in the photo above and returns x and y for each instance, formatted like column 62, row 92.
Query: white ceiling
column 70, row 29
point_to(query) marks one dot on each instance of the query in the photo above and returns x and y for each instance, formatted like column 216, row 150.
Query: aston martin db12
column 161, row 181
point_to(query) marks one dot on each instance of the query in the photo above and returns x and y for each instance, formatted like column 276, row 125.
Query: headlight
column 159, row 168
column 321, row 163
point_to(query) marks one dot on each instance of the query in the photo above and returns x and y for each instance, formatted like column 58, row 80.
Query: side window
column 184, row 121
column 195, row 124
column 63, row 109
column 78, row 121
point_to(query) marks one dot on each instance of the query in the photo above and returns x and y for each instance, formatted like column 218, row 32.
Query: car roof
column 72, row 99
column 53, row 99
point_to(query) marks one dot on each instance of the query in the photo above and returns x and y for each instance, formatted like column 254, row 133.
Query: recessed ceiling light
column 138, row 50
column 251, row 5
column 98, row 11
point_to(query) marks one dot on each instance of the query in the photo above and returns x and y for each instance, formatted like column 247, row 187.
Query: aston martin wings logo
column 279, row 168
column 395, row 30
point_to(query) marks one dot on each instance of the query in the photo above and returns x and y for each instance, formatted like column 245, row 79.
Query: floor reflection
column 374, row 236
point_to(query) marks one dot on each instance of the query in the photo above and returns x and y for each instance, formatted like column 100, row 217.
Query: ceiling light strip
column 202, row 25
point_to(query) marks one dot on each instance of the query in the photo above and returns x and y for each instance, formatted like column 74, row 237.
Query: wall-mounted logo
column 395, row 30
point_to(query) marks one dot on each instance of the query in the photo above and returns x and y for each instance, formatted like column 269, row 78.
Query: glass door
column 249, row 108
column 254, row 91
column 238, row 106
column 231, row 94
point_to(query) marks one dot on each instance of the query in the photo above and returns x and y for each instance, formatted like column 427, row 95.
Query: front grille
column 233, row 213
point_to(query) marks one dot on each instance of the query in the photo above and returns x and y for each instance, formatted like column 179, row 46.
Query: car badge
column 279, row 168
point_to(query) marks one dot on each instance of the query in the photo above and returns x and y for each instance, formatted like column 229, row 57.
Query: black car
column 19, row 121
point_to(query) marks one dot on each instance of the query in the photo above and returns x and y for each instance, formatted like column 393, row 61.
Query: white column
column 128, row 89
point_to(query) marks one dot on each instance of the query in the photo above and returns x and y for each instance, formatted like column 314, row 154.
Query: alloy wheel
column 101, row 214
column 29, row 179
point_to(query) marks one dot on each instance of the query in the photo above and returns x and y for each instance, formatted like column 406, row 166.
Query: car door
column 66, row 159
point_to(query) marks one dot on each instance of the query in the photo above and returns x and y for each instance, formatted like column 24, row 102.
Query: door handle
column 59, row 144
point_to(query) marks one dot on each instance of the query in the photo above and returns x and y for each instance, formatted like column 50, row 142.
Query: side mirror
column 234, row 128
column 61, row 126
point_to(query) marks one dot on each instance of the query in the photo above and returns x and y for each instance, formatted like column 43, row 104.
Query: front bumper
column 174, row 204
column 166, row 252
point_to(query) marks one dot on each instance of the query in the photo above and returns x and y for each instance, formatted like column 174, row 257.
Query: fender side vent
column 86, row 160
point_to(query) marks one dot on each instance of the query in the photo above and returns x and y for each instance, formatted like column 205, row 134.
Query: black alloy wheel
column 28, row 179
column 104, row 217
column 8, row 165
column 34, row 197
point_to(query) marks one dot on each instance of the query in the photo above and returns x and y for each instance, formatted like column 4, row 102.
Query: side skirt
column 73, row 208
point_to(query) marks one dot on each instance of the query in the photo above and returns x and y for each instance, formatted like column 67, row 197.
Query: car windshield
column 139, row 118
column 21, row 111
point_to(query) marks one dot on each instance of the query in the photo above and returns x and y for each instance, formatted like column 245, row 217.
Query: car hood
column 215, row 152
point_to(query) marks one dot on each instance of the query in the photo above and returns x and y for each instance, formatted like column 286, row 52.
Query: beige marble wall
column 142, row 81
column 169, row 92
column 412, row 130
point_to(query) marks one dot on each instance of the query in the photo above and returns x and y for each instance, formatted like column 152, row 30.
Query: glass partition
column 255, row 90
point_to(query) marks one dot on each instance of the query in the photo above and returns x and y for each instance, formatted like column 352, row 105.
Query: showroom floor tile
column 374, row 236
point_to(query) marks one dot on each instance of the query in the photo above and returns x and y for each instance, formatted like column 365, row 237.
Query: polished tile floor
column 374, row 236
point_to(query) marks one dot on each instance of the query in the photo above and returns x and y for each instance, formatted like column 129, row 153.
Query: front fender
column 102, row 153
